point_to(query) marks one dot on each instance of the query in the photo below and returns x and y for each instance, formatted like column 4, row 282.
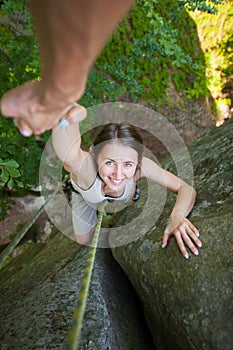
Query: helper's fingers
column 76, row 113
column 23, row 127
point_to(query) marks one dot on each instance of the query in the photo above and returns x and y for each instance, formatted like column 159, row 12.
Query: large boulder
column 39, row 292
column 188, row 303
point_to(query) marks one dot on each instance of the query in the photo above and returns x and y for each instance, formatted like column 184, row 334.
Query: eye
column 109, row 163
column 128, row 165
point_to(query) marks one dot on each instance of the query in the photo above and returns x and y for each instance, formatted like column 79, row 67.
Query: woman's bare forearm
column 185, row 201
column 67, row 140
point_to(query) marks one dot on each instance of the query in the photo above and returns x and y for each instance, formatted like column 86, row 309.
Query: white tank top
column 94, row 193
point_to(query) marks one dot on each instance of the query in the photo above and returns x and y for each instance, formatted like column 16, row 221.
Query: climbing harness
column 7, row 251
column 75, row 332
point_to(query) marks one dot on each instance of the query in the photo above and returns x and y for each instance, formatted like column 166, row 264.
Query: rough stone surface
column 39, row 291
column 188, row 304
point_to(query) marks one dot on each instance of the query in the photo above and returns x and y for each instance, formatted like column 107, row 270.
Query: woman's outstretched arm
column 185, row 233
column 67, row 140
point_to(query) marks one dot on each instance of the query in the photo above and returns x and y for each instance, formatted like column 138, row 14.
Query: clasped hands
column 35, row 111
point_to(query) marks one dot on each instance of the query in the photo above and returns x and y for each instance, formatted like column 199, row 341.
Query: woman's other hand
column 186, row 235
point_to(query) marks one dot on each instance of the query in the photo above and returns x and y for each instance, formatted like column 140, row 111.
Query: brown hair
column 125, row 134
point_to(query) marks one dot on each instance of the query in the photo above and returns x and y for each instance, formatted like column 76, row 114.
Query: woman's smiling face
column 117, row 165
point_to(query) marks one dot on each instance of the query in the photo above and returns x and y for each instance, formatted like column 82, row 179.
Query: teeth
column 116, row 181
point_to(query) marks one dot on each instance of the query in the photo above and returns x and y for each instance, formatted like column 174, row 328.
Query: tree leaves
column 201, row 5
column 9, row 173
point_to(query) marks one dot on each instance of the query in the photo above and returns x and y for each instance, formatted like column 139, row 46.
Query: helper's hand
column 34, row 108
column 185, row 234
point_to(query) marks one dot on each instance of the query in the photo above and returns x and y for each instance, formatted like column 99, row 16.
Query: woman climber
column 110, row 170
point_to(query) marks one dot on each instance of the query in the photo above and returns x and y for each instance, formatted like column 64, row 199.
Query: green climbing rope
column 7, row 251
column 75, row 332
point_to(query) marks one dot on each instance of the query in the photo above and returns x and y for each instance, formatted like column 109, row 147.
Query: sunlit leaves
column 201, row 5
column 157, row 39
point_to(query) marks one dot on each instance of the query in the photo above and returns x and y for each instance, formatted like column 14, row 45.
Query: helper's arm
column 70, row 33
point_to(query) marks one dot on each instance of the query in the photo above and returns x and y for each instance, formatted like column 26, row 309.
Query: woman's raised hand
column 74, row 115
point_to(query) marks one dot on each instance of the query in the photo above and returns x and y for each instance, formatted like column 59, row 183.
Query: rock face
column 188, row 304
column 39, row 294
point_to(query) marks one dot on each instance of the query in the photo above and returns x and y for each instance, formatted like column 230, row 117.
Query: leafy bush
column 201, row 5
column 217, row 45
column 158, row 40
column 9, row 173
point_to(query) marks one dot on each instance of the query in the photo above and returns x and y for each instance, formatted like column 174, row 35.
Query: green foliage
column 217, row 45
column 9, row 173
column 25, row 151
column 19, row 62
column 19, row 164
column 19, row 55
column 10, row 177
column 201, row 5
column 100, row 88
column 226, row 48
column 158, row 41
